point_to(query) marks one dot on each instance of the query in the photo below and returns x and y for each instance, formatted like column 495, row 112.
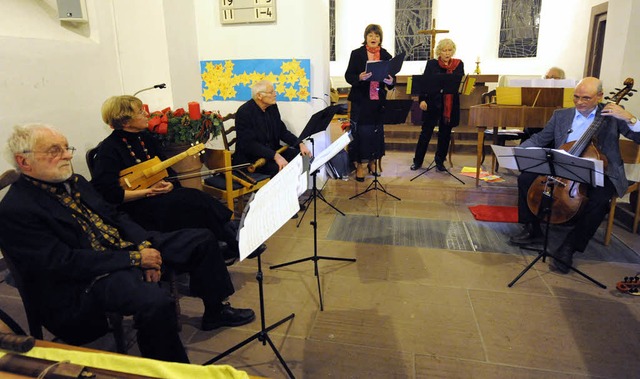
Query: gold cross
column 433, row 31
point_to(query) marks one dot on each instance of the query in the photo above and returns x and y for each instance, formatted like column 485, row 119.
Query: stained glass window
column 519, row 25
column 411, row 16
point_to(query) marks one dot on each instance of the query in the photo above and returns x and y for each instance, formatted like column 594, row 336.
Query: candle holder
column 477, row 70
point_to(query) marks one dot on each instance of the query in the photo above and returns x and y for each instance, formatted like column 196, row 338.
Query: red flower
column 179, row 112
column 158, row 123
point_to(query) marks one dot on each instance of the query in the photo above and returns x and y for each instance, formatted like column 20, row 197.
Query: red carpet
column 494, row 213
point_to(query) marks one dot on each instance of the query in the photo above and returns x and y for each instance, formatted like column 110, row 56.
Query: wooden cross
column 433, row 31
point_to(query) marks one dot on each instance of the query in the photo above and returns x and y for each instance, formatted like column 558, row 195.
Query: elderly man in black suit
column 85, row 259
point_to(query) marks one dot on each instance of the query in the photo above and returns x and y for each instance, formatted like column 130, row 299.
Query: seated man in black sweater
column 260, row 129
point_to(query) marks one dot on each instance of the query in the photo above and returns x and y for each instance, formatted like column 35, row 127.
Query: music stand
column 431, row 166
column 317, row 123
column 557, row 164
column 375, row 185
column 318, row 162
column 253, row 232
column 435, row 85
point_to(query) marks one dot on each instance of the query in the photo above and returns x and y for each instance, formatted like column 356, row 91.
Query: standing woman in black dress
column 367, row 103
column 442, row 110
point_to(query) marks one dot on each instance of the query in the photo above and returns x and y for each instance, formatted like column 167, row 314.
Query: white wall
column 301, row 31
column 56, row 72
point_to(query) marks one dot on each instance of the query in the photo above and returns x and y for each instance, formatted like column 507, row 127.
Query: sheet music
column 505, row 156
column 271, row 207
column 566, row 165
column 330, row 152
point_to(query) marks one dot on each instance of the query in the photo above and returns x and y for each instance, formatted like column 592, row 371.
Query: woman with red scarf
column 367, row 103
column 442, row 110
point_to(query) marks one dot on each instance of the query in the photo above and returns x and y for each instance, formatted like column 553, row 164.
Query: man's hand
column 152, row 276
column 280, row 161
column 388, row 80
column 151, row 259
column 614, row 110
column 304, row 150
column 423, row 105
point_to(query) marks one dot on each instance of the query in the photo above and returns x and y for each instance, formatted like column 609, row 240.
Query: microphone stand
column 159, row 86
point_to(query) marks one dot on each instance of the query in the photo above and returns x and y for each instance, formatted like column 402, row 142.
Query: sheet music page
column 330, row 152
column 572, row 167
column 598, row 172
column 271, row 207
column 505, row 156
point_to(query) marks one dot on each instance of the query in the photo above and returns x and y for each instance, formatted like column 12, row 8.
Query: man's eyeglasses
column 54, row 151
column 586, row 99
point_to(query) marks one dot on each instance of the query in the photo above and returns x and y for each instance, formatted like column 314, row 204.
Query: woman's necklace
column 132, row 153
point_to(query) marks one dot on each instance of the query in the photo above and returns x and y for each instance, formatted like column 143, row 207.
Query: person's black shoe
column 257, row 251
column 415, row 167
column 564, row 260
column 230, row 256
column 228, row 316
column 529, row 235
column 440, row 167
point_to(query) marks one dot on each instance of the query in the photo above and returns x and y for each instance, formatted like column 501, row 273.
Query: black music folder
column 382, row 69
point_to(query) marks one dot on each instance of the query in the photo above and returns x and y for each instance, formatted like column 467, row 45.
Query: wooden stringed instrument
column 569, row 197
column 147, row 173
column 630, row 285
column 261, row 161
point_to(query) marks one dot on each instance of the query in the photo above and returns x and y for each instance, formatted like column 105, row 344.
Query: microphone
column 319, row 98
column 159, row 86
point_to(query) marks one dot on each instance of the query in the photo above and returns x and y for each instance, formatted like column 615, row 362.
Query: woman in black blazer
column 367, row 103
column 442, row 110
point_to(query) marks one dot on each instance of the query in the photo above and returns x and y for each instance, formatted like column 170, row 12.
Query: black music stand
column 317, row 123
column 435, row 85
column 262, row 335
column 431, row 166
column 375, row 185
column 323, row 158
column 557, row 164
column 252, row 226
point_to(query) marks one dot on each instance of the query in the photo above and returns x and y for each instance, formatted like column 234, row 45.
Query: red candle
column 194, row 110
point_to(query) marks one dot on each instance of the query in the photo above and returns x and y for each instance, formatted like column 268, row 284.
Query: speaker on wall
column 72, row 10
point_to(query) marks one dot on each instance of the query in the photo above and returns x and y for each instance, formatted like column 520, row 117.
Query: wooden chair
column 631, row 155
column 229, row 133
column 26, row 292
column 227, row 185
column 232, row 184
